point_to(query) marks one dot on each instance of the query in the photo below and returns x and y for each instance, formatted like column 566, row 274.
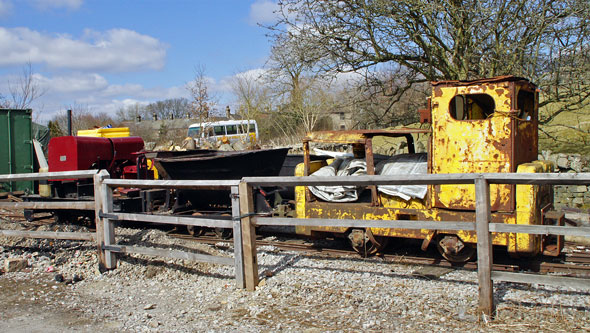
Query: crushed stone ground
column 298, row 292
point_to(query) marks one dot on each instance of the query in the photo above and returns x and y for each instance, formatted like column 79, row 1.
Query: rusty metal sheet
column 359, row 136
column 455, row 83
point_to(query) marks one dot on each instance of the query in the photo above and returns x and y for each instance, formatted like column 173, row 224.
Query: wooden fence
column 106, row 215
column 62, row 204
column 482, row 225
column 244, row 219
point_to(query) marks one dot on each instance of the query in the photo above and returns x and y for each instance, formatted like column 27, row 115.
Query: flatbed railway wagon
column 483, row 126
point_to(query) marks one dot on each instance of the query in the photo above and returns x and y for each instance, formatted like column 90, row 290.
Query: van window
column 194, row 132
column 219, row 130
column 472, row 107
column 251, row 128
column 231, row 129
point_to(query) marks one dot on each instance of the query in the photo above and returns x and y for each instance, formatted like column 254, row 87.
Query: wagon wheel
column 452, row 248
column 193, row 230
column 224, row 233
column 61, row 217
column 365, row 243
column 29, row 215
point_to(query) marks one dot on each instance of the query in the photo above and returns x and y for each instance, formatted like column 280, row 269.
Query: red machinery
column 117, row 155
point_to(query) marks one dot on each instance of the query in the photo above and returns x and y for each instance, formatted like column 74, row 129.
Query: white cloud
column 49, row 4
column 91, row 90
column 263, row 11
column 72, row 83
column 5, row 7
column 116, row 50
column 255, row 73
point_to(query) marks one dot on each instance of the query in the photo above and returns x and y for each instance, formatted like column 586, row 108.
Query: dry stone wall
column 573, row 196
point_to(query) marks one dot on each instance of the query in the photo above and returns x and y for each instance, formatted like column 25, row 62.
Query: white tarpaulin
column 404, row 164
column 340, row 167
column 396, row 165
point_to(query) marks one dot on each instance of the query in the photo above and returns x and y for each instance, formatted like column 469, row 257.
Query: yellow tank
column 115, row 132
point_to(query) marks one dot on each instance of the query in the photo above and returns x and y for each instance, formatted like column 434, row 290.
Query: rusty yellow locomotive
column 482, row 126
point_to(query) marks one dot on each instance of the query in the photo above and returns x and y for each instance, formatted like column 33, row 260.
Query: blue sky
column 103, row 55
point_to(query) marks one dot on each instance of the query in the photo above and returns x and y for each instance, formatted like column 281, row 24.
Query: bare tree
column 134, row 112
column 173, row 108
column 198, row 88
column 24, row 90
column 544, row 40
column 302, row 92
column 252, row 94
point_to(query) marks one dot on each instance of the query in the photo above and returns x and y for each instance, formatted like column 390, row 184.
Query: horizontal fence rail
column 177, row 184
column 50, row 235
column 399, row 224
column 170, row 254
column 427, row 179
column 49, row 175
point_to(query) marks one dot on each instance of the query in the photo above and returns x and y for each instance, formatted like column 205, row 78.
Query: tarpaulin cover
column 396, row 165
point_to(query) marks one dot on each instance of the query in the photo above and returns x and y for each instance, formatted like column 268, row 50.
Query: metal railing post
column 484, row 247
column 249, row 236
column 237, row 228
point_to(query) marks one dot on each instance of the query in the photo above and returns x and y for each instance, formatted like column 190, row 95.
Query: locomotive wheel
column 223, row 233
column 193, row 230
column 365, row 243
column 452, row 248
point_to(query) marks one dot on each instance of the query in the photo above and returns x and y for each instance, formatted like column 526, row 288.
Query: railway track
column 575, row 262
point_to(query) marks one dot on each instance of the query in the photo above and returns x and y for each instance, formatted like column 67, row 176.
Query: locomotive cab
column 482, row 126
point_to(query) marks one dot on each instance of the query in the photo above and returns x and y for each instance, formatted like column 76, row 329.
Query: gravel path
column 62, row 290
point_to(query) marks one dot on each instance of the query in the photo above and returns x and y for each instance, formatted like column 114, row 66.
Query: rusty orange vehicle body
column 481, row 126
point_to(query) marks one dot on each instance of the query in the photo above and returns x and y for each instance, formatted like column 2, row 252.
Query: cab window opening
column 472, row 107
column 525, row 103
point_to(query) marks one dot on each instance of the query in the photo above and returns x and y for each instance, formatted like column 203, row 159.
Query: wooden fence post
column 98, row 198
column 484, row 247
column 249, row 236
column 237, row 227
column 105, row 231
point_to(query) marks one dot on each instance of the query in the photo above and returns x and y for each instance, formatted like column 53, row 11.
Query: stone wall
column 573, row 196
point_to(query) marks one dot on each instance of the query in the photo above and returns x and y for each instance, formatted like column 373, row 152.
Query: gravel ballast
column 62, row 290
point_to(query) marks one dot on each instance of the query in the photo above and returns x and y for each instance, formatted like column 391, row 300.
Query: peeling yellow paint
column 469, row 146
